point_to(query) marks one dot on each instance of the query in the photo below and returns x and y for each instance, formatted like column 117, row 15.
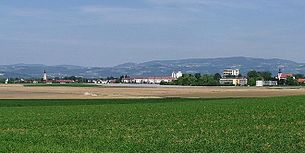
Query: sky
column 110, row 32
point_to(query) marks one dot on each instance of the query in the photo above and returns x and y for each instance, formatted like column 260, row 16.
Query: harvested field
column 21, row 92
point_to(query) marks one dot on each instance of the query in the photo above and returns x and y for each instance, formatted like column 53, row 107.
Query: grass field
column 155, row 125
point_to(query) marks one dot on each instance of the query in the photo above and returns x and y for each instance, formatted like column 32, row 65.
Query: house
column 152, row 80
column 284, row 76
column 234, row 81
column 231, row 72
column 64, row 81
column 261, row 83
column 301, row 80
column 59, row 81
column 147, row 80
column 98, row 81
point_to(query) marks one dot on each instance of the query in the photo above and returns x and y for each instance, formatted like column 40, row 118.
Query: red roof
column 155, row 78
column 65, row 81
column 286, row 75
column 302, row 80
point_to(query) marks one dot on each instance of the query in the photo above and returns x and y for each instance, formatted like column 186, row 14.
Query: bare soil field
column 21, row 92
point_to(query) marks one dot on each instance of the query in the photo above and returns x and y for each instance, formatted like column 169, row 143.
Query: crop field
column 154, row 125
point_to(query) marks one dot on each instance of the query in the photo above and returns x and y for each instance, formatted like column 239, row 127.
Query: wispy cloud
column 261, row 5
column 206, row 3
column 132, row 15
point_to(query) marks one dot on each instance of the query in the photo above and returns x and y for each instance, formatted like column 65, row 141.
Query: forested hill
column 156, row 68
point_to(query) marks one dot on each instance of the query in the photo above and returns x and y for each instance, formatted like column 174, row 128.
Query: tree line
column 213, row 80
column 196, row 80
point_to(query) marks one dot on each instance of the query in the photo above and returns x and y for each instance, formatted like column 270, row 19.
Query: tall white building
column 231, row 72
column 45, row 77
column 177, row 75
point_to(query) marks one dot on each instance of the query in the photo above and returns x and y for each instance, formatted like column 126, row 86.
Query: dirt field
column 20, row 92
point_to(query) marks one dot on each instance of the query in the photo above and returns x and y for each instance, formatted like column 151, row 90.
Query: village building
column 59, row 81
column 234, row 81
column 284, row 76
column 153, row 80
column 45, row 77
column 261, row 83
column 231, row 77
column 148, row 80
column 301, row 80
column 231, row 72
column 177, row 75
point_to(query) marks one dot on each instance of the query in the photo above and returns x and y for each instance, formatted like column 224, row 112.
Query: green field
column 160, row 125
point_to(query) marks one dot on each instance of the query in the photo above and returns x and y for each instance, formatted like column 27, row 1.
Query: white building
column 234, row 81
column 153, row 80
column 100, row 81
column 45, row 77
column 177, row 75
column 261, row 83
column 147, row 80
column 231, row 72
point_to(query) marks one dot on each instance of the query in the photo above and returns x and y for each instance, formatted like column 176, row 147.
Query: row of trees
column 253, row 76
column 196, row 80
column 2, row 80
column 213, row 80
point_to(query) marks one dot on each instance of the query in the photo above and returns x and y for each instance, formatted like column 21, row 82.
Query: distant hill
column 156, row 68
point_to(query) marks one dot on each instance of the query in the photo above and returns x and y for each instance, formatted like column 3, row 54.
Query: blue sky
column 110, row 32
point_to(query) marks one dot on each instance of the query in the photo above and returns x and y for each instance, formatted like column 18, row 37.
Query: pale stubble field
column 99, row 92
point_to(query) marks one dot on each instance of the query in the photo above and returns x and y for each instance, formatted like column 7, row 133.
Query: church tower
column 279, row 74
column 45, row 78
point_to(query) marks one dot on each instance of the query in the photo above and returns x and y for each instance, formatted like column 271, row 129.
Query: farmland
column 154, row 125
column 85, row 91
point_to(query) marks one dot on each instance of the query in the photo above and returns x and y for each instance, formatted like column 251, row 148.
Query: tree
column 291, row 82
column 252, row 74
column 299, row 76
column 217, row 76
column 195, row 80
column 197, row 75
column 265, row 75
column 2, row 80
column 252, row 81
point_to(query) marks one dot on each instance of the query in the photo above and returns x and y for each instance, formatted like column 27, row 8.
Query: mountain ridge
column 156, row 67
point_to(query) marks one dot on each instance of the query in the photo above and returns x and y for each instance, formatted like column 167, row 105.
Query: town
column 229, row 77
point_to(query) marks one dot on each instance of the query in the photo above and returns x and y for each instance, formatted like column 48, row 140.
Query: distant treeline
column 196, row 80
column 213, row 80
column 253, row 76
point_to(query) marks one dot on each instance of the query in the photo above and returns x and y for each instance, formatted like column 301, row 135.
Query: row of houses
column 229, row 77
column 152, row 80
